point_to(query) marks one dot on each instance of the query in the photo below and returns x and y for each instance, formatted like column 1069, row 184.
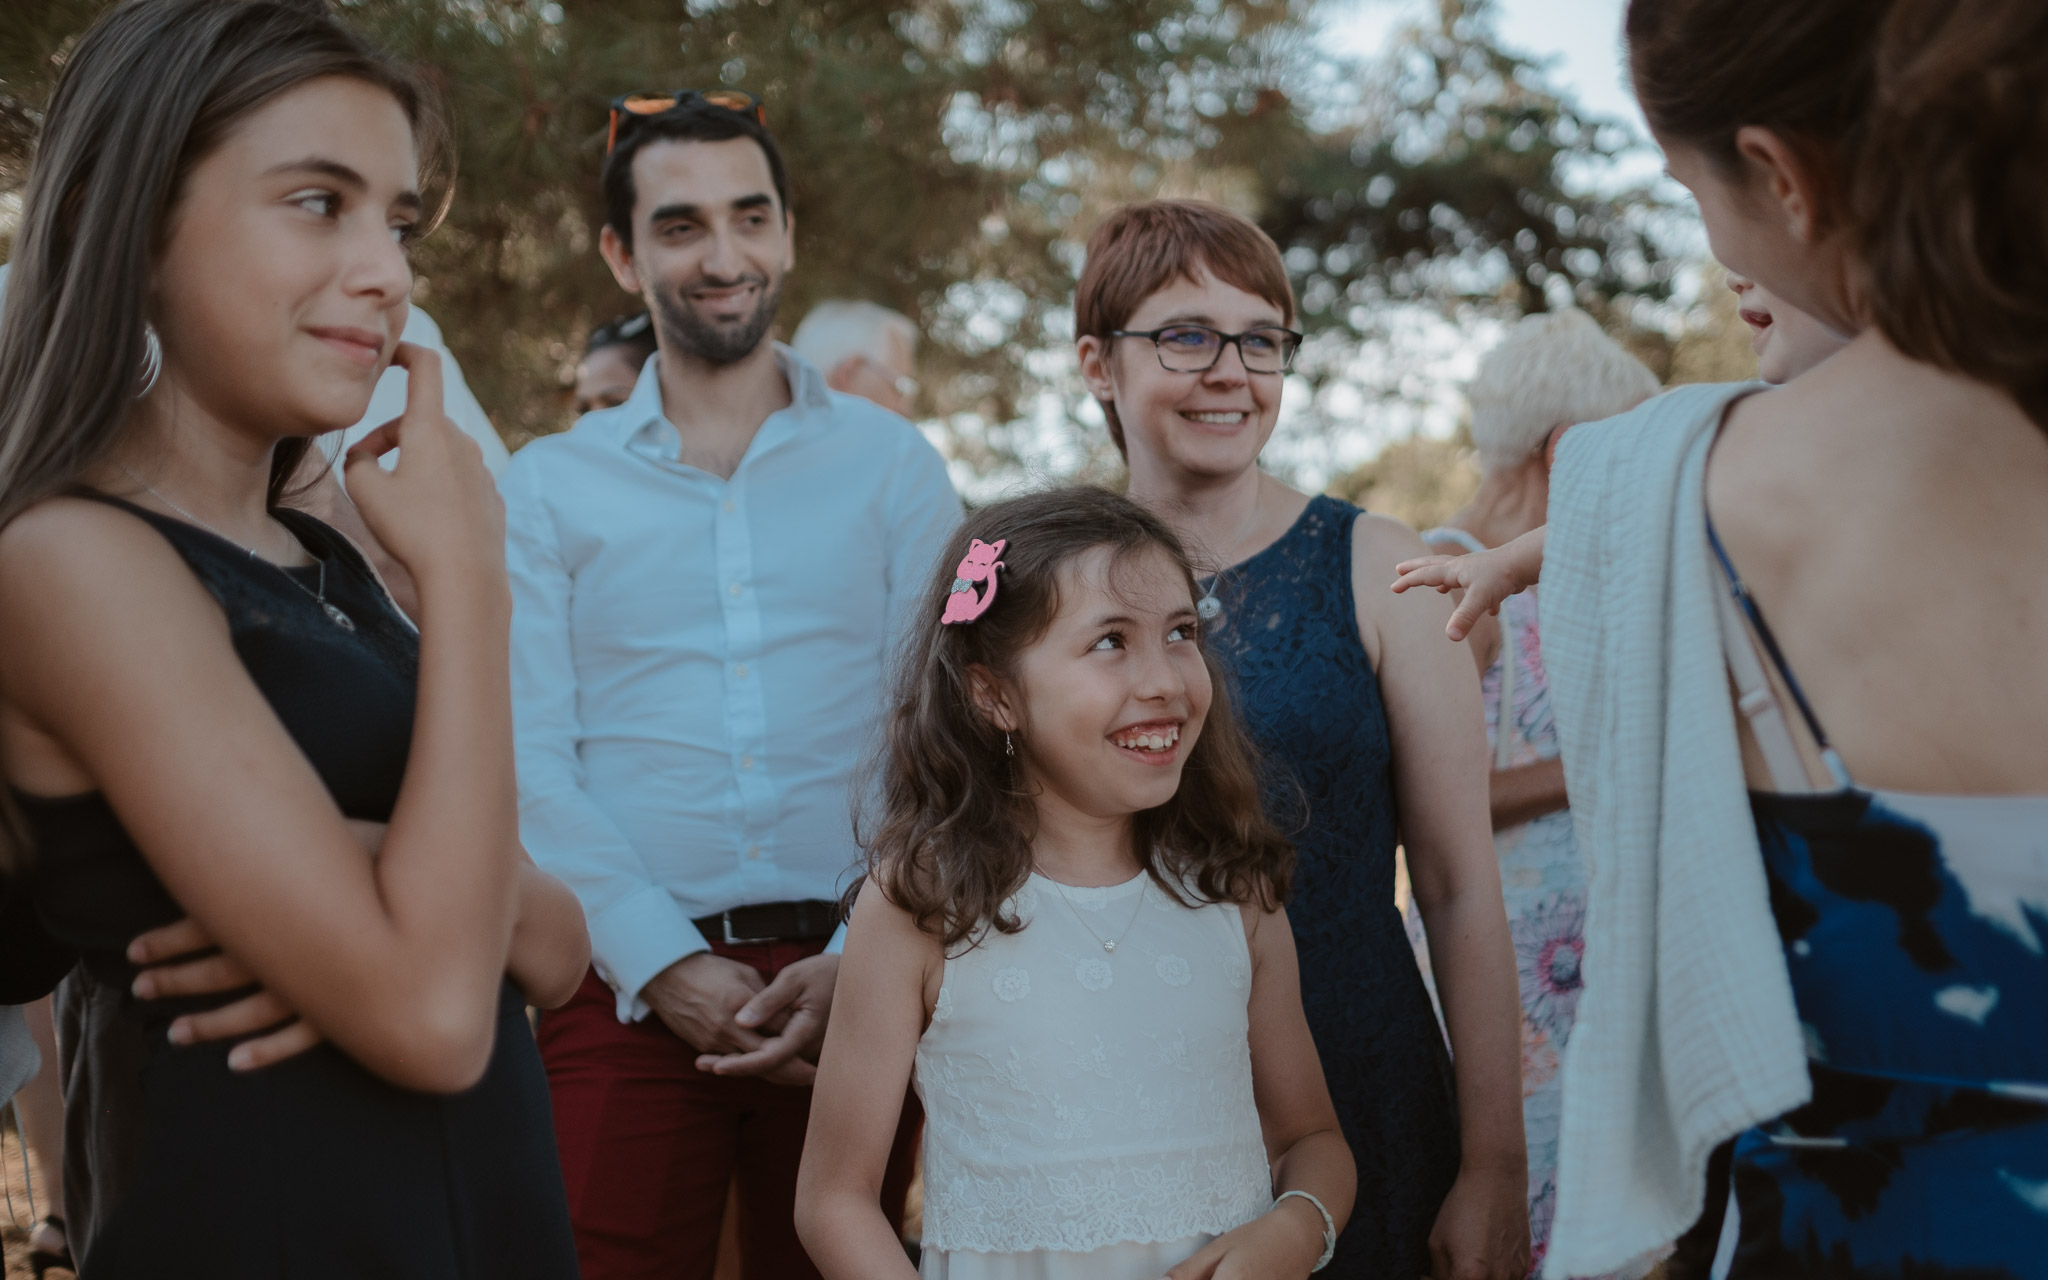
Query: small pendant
column 1109, row 947
column 337, row 617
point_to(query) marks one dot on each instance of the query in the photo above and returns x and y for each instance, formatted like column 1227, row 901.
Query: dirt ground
column 15, row 1218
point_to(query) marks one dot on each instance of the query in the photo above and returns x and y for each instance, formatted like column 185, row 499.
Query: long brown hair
column 148, row 93
column 1927, row 118
column 1951, row 197
column 952, row 830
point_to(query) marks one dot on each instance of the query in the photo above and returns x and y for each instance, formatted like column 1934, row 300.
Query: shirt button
column 754, row 851
column 746, row 762
column 740, row 671
column 734, row 589
column 730, row 506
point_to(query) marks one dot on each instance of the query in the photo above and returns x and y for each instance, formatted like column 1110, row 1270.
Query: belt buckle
column 725, row 919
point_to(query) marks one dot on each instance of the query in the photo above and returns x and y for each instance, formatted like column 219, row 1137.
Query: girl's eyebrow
column 342, row 175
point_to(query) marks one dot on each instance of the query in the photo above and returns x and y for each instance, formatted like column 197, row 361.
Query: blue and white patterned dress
column 1915, row 931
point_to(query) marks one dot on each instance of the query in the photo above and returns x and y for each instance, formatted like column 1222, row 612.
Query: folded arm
column 397, row 961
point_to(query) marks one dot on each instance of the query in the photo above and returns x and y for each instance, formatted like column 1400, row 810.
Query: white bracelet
column 1329, row 1227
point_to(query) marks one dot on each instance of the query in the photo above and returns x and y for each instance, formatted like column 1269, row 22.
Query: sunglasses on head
column 638, row 106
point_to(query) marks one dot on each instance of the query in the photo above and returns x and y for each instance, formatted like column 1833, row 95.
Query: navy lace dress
column 1288, row 632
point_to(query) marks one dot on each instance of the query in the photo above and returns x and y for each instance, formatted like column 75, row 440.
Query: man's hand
column 799, row 1001
column 181, row 960
column 697, row 998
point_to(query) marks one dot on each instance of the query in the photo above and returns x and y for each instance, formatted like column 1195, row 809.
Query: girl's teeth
column 1151, row 741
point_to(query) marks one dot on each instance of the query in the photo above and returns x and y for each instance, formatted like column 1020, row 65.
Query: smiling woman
column 210, row 706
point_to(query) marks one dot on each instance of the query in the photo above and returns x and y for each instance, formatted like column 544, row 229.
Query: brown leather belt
column 809, row 921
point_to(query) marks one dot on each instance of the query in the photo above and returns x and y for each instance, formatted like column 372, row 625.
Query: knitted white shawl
column 1686, row 1032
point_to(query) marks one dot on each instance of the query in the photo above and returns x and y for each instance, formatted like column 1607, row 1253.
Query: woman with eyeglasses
column 1365, row 716
column 211, row 709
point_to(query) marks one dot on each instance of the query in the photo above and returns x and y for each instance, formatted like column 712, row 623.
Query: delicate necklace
column 1208, row 607
column 1108, row 944
column 319, row 595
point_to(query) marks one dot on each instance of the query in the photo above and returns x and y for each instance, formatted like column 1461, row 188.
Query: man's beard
column 682, row 329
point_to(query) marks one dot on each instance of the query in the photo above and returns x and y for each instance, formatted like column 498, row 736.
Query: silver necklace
column 1208, row 608
column 333, row 612
column 1108, row 944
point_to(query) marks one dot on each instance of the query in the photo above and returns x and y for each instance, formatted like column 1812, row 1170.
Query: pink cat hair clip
column 979, row 565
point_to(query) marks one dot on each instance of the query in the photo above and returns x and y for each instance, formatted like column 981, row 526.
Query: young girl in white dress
column 1081, row 963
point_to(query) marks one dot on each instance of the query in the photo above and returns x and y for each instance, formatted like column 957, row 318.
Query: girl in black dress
column 209, row 706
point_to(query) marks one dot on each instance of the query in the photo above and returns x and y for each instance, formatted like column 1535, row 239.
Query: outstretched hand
column 1487, row 578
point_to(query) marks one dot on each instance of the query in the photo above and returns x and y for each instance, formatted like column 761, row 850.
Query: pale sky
column 1583, row 36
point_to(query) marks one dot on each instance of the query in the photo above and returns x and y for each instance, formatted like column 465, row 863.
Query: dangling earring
column 152, row 359
column 1009, row 747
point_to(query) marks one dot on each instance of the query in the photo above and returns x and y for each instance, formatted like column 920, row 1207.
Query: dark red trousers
column 650, row 1144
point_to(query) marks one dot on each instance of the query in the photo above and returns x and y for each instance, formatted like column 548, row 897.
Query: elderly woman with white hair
column 1550, row 372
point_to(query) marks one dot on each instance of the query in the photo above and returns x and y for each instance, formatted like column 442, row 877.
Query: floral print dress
column 1545, row 888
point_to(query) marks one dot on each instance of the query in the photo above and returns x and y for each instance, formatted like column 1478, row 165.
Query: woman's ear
column 1094, row 357
column 990, row 698
column 1789, row 176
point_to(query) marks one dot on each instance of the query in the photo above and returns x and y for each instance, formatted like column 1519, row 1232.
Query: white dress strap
column 1451, row 533
column 1755, row 697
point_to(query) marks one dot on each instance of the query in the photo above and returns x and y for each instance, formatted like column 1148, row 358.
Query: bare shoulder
column 1267, row 936
column 888, row 956
column 77, row 575
column 1378, row 543
column 878, row 923
column 76, row 550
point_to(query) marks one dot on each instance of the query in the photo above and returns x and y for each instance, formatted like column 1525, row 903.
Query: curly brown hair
column 950, row 840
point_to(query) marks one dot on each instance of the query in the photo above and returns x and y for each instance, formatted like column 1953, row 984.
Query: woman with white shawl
column 1839, row 616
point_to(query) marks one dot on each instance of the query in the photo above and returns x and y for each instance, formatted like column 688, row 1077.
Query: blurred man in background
column 864, row 349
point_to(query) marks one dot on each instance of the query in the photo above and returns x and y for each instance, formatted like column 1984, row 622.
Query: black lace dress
column 312, row 1168
column 1289, row 634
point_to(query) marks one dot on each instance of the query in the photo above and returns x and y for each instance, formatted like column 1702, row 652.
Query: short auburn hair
column 1142, row 248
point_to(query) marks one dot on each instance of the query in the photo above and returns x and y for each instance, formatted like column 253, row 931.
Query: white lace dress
column 1089, row 1113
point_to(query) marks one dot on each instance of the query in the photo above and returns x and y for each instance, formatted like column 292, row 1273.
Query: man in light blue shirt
column 707, row 583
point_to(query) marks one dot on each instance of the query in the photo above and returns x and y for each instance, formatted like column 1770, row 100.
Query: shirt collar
column 647, row 430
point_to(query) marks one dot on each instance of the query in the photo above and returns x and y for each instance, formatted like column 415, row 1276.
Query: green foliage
column 947, row 158
column 1420, row 481
column 1463, row 183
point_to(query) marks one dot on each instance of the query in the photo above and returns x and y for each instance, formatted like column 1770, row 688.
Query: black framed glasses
column 1195, row 348
column 638, row 106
